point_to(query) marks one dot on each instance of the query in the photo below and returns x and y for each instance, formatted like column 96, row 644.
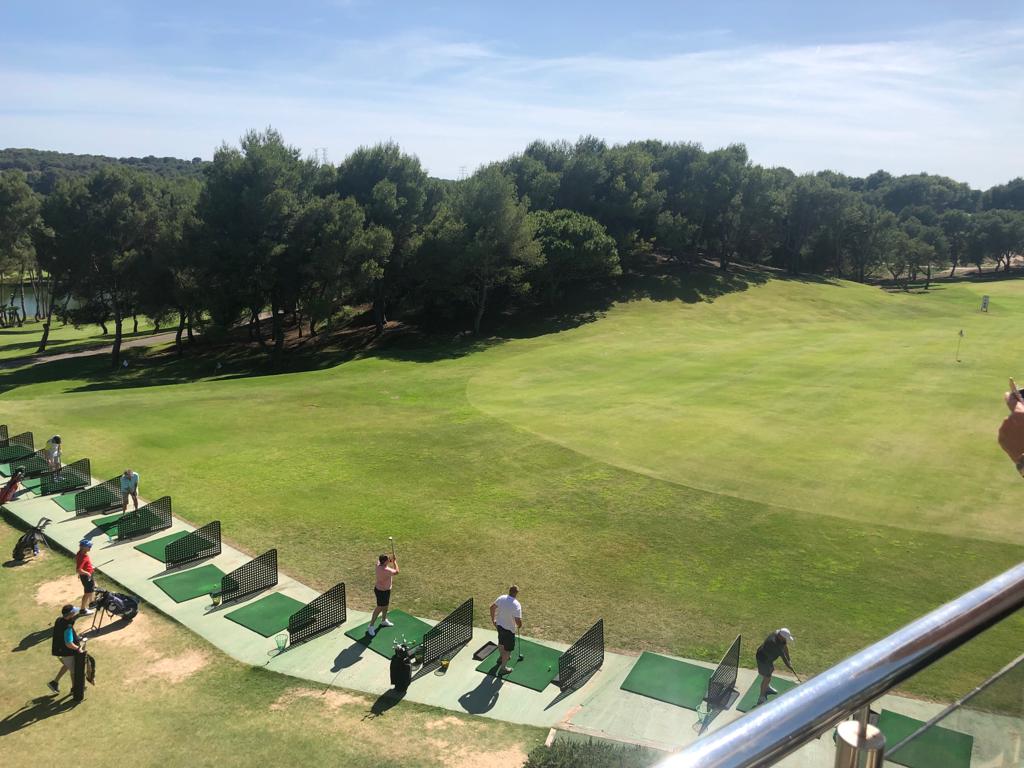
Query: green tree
column 577, row 249
column 20, row 220
column 956, row 226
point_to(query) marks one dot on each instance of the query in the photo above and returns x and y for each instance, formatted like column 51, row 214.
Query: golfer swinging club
column 387, row 567
column 507, row 617
column 129, row 489
column 773, row 647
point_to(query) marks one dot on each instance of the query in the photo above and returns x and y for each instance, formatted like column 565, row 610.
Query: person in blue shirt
column 65, row 644
column 129, row 489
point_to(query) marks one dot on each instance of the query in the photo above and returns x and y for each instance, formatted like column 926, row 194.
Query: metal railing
column 782, row 726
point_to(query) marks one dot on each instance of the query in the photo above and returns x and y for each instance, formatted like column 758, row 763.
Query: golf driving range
column 798, row 453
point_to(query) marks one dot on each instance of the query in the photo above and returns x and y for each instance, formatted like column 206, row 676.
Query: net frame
column 722, row 682
column 449, row 634
column 35, row 464
column 258, row 574
column 17, row 447
column 321, row 615
column 70, row 477
column 3, row 435
column 582, row 658
column 100, row 497
column 201, row 543
column 155, row 516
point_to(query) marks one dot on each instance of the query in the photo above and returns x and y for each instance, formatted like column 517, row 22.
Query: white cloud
column 946, row 101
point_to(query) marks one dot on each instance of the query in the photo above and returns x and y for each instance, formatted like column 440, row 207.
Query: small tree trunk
column 277, row 326
column 188, row 326
column 928, row 277
column 135, row 323
column 49, row 317
column 24, row 314
column 378, row 306
column 181, row 328
column 480, row 306
column 103, row 327
column 115, row 351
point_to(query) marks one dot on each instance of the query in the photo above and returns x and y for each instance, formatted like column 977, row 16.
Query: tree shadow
column 35, row 711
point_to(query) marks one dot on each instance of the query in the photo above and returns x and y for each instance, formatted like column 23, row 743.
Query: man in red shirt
column 387, row 567
column 84, row 569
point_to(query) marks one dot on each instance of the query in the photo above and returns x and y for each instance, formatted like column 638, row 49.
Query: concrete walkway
column 600, row 708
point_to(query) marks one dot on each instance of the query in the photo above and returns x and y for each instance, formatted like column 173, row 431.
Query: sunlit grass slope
column 798, row 453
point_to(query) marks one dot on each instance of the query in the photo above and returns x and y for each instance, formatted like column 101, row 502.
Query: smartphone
column 1019, row 393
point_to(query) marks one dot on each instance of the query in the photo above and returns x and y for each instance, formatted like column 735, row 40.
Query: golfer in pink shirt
column 387, row 567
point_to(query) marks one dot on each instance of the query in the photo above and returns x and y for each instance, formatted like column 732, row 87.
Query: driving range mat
column 268, row 615
column 409, row 627
column 156, row 547
column 749, row 700
column 669, row 680
column 108, row 524
column 537, row 669
column 935, row 748
column 66, row 501
column 32, row 484
column 191, row 584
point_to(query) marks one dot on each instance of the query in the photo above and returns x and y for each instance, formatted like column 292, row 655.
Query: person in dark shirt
column 65, row 643
column 774, row 647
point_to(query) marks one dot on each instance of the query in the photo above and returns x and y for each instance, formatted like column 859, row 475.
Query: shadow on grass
column 35, row 711
column 384, row 702
column 32, row 639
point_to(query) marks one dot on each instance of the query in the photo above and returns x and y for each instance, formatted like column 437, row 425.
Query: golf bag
column 30, row 541
column 123, row 606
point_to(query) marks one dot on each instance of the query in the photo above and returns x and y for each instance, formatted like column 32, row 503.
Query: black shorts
column 765, row 668
column 383, row 597
column 87, row 583
column 506, row 639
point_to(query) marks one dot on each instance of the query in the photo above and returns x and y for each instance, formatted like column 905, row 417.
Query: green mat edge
column 254, row 603
column 358, row 636
column 486, row 668
column 166, row 539
column 752, row 692
column 669, row 658
column 190, row 571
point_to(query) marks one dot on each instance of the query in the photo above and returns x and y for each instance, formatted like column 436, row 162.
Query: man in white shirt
column 507, row 617
column 129, row 489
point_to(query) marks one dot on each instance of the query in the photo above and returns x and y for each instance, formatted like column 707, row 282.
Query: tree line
column 261, row 230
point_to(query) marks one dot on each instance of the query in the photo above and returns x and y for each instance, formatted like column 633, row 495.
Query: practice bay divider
column 582, row 658
column 35, row 464
column 155, row 516
column 258, row 574
column 105, row 495
column 201, row 543
column 449, row 634
column 722, row 683
column 321, row 615
column 68, row 478
column 3, row 435
column 17, row 447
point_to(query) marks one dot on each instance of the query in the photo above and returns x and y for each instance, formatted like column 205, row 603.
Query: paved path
column 600, row 708
column 47, row 357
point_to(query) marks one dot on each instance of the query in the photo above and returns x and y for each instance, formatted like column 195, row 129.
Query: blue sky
column 906, row 86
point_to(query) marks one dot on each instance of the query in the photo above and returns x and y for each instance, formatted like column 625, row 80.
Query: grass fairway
column 162, row 693
column 797, row 453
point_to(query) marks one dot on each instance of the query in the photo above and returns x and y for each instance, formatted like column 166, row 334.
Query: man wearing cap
column 65, row 644
column 507, row 618
column 773, row 647
column 84, row 569
column 129, row 488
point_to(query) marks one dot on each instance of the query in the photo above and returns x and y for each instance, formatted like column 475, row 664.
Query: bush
column 591, row 754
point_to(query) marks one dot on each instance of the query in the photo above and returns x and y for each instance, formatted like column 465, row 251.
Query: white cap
column 787, row 635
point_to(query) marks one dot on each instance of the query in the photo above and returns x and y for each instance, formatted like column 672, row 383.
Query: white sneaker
column 88, row 612
column 387, row 623
column 371, row 631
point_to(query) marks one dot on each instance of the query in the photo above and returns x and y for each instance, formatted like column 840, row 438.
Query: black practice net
column 202, row 542
column 106, row 495
column 35, row 464
column 323, row 614
column 582, row 658
column 723, row 679
column 256, row 575
column 17, row 447
column 3, row 435
column 449, row 634
column 154, row 516
column 68, row 478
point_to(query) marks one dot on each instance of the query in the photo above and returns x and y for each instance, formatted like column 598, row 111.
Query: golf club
column 392, row 540
column 519, row 645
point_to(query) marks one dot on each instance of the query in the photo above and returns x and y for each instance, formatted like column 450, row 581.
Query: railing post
column 858, row 743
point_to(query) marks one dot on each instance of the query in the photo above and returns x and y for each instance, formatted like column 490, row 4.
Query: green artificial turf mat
column 409, row 627
column 191, row 584
column 268, row 615
column 537, row 669
column 108, row 524
column 935, row 748
column 749, row 700
column 156, row 547
column 670, row 680
column 32, row 484
column 66, row 501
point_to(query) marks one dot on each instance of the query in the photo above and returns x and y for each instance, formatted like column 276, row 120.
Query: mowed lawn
column 799, row 453
column 24, row 340
column 163, row 694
